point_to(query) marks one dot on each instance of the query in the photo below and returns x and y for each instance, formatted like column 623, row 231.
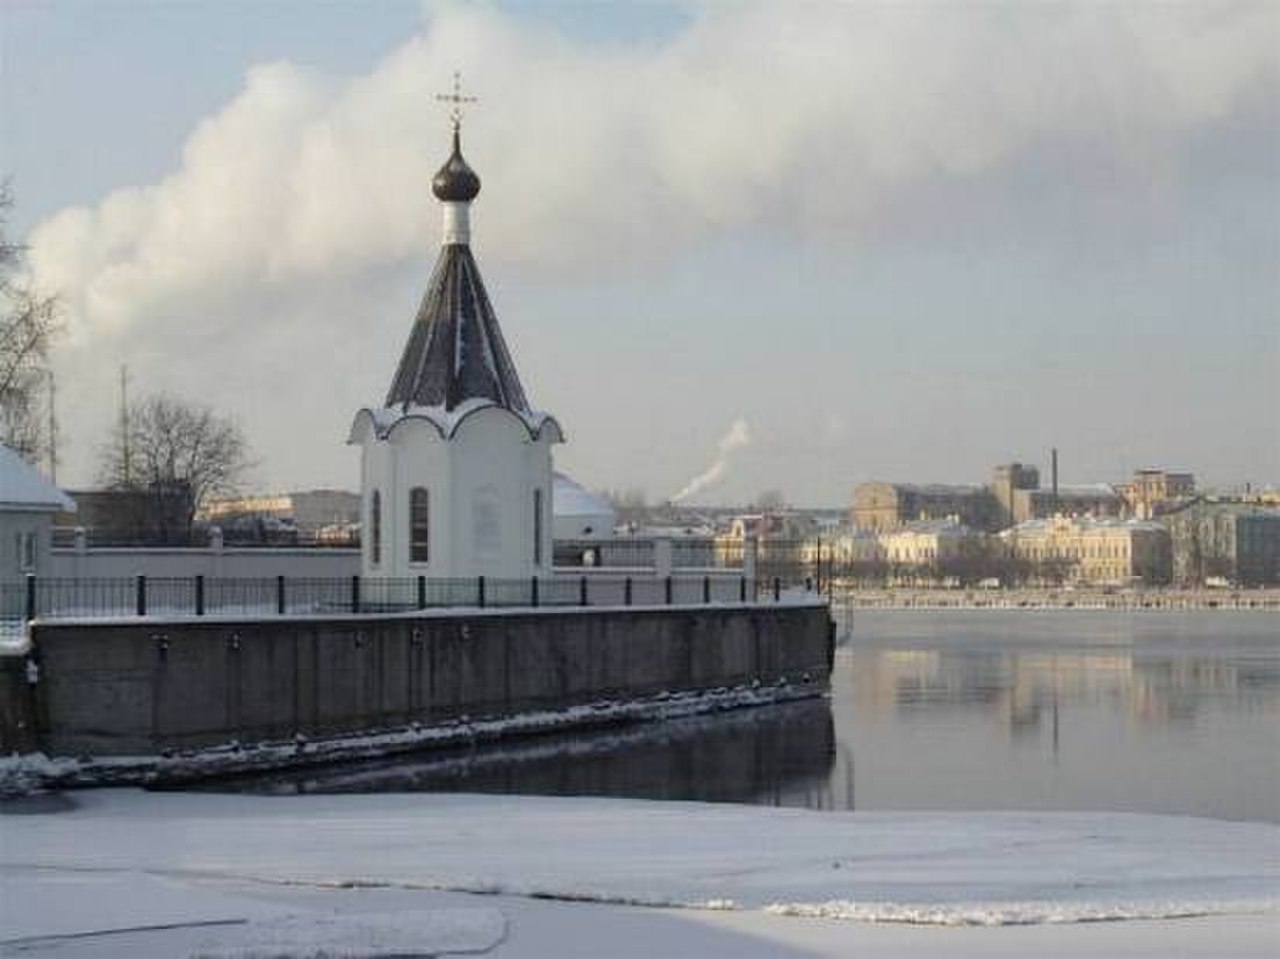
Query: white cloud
column 291, row 202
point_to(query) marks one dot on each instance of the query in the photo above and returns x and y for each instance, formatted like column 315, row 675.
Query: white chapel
column 455, row 469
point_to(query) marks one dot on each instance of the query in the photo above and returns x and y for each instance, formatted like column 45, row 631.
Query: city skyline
column 924, row 241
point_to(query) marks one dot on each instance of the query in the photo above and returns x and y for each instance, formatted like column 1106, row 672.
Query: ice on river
column 231, row 870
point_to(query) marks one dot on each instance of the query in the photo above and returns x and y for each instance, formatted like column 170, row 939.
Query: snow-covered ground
column 128, row 873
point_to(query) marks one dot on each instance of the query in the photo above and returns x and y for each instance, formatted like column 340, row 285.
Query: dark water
column 1149, row 712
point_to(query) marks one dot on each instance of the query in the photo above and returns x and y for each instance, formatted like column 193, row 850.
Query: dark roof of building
column 455, row 350
column 940, row 489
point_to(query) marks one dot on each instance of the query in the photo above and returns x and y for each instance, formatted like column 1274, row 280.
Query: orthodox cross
column 456, row 99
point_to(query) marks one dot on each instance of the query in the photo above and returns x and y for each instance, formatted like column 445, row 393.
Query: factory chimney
column 1053, row 469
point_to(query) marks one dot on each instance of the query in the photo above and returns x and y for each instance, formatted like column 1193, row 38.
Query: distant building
column 308, row 511
column 578, row 513
column 28, row 503
column 771, row 525
column 1093, row 500
column 1093, row 550
column 1007, row 481
column 1238, row 543
column 1152, row 492
column 1014, row 495
column 1016, row 487
column 1264, row 497
column 159, row 515
column 927, row 542
column 855, row 547
column 884, row 506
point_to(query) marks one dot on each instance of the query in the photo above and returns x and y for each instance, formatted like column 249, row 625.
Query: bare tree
column 27, row 324
column 181, row 453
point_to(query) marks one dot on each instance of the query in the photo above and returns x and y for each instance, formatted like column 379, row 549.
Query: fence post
column 777, row 589
column 355, row 593
column 140, row 595
column 533, row 590
column 480, row 592
column 666, row 589
column 199, row 594
column 422, row 592
column 280, row 594
column 31, row 596
column 626, row 592
column 706, row 589
column 582, row 590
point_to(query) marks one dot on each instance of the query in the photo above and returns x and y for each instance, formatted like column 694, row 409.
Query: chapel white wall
column 481, row 483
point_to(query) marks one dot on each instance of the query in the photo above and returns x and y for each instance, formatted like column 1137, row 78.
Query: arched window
column 375, row 528
column 419, row 525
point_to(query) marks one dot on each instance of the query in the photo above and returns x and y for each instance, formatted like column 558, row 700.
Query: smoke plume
column 739, row 435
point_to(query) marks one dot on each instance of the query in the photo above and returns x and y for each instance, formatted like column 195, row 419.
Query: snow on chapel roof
column 22, row 487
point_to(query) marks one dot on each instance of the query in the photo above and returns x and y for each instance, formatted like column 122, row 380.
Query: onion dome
column 456, row 182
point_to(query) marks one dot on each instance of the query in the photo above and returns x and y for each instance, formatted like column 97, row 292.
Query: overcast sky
column 820, row 243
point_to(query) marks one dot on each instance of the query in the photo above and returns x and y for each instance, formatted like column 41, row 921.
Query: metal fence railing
column 625, row 552
column 201, row 537
column 62, row 598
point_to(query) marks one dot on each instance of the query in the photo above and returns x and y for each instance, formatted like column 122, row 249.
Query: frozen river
column 946, row 711
column 966, row 710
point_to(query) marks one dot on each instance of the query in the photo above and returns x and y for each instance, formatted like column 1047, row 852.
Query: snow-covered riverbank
column 122, row 872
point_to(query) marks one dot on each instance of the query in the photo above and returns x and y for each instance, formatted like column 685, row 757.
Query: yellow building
column 926, row 543
column 1086, row 550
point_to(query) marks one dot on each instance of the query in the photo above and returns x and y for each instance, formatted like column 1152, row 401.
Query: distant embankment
column 1263, row 600
column 282, row 691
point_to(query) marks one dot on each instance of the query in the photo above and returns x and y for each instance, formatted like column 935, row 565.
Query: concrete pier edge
column 164, row 700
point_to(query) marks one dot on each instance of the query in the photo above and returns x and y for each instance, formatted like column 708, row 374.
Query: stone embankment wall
column 149, row 686
column 17, row 708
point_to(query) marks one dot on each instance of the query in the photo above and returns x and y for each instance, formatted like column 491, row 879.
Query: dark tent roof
column 455, row 350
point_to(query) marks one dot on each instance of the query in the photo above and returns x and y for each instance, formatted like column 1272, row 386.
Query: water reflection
column 780, row 755
column 1158, row 713
column 1161, row 712
column 1156, row 687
